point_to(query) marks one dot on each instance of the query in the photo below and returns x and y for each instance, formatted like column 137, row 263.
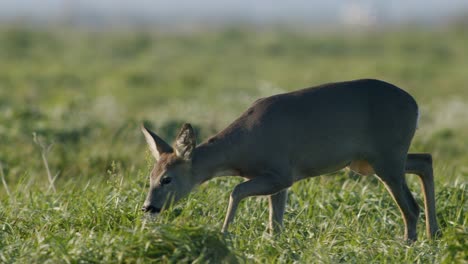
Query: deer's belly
column 303, row 172
column 362, row 167
column 311, row 169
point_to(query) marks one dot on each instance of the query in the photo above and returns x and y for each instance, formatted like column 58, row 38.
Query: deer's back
column 327, row 124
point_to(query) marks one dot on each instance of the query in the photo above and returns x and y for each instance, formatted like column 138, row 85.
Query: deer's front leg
column 277, row 203
column 263, row 185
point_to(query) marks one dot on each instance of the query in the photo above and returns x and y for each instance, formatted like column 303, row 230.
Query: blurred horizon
column 314, row 14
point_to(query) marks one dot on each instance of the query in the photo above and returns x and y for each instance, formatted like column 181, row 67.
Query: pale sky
column 252, row 10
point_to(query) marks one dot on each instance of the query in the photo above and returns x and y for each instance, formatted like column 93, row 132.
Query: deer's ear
column 156, row 145
column 185, row 142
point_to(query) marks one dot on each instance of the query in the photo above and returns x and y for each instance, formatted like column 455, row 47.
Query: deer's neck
column 212, row 159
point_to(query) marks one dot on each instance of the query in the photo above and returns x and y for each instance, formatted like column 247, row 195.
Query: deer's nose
column 151, row 209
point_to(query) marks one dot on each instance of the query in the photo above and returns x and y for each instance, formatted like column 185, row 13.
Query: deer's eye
column 165, row 180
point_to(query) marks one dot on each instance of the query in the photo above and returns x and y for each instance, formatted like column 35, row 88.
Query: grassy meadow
column 73, row 99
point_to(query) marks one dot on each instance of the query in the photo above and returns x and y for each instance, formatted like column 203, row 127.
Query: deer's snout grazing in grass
column 366, row 125
column 171, row 177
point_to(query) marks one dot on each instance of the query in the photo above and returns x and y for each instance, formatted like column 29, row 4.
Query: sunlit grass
column 327, row 220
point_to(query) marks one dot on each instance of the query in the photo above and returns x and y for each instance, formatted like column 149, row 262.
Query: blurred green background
column 87, row 91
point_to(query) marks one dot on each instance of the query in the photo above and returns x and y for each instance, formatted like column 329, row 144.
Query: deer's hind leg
column 390, row 169
column 421, row 165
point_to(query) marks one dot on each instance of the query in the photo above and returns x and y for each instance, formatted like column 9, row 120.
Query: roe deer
column 366, row 125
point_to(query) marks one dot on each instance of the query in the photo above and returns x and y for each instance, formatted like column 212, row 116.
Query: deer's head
column 171, row 178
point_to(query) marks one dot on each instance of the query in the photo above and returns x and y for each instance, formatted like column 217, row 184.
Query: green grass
column 85, row 93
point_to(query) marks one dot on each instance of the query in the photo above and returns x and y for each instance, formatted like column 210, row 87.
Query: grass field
column 75, row 99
